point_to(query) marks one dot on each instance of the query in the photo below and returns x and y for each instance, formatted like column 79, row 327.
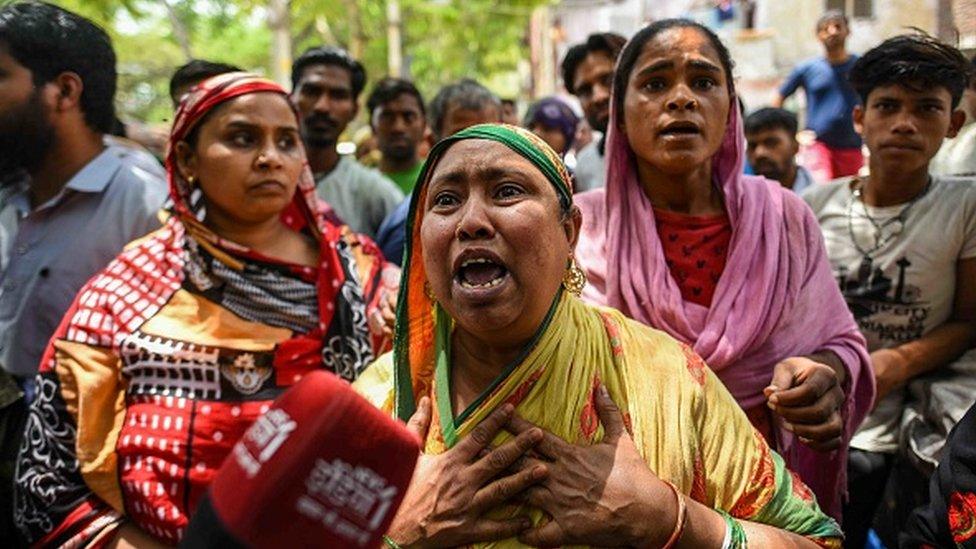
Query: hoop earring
column 574, row 280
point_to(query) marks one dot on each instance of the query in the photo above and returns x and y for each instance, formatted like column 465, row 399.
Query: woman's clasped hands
column 598, row 495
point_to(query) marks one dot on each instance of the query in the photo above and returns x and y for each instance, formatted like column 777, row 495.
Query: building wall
column 964, row 14
column 785, row 31
column 794, row 24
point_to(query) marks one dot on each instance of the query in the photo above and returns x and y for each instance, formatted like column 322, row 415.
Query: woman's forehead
column 472, row 156
column 679, row 43
column 479, row 160
column 257, row 107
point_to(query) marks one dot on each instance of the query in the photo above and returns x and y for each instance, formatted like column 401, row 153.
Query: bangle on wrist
column 390, row 543
column 679, row 525
column 735, row 536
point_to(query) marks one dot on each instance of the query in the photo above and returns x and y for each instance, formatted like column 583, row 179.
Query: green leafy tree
column 442, row 40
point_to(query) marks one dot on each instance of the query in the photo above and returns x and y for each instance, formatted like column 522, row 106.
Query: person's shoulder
column 151, row 241
column 590, row 150
column 591, row 204
column 362, row 171
column 589, row 200
column 365, row 175
column 153, row 244
column 396, row 218
column 658, row 351
column 807, row 64
column 955, row 189
column 964, row 184
column 138, row 168
column 819, row 195
column 134, row 156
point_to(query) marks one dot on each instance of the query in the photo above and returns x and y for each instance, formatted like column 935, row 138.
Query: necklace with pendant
column 881, row 239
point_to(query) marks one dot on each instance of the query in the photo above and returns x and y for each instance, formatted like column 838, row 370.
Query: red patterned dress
column 167, row 356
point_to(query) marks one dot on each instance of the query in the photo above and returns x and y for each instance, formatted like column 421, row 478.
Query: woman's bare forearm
column 706, row 528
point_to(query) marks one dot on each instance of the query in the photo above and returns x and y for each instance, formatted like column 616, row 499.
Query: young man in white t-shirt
column 903, row 248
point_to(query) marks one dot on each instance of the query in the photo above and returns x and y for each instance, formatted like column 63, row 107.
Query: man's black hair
column 196, row 71
column 466, row 93
column 330, row 55
column 916, row 61
column 606, row 42
column 832, row 15
column 49, row 41
column 771, row 118
column 388, row 89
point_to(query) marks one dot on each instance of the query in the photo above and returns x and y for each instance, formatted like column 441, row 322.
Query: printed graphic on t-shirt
column 884, row 304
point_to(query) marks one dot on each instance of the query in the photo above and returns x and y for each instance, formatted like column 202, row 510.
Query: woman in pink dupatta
column 776, row 331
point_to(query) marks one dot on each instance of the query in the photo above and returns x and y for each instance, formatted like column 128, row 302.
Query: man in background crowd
column 461, row 105
column 69, row 202
column 588, row 74
column 772, row 147
column 958, row 155
column 326, row 83
column 902, row 245
column 454, row 108
column 510, row 112
column 398, row 121
column 830, row 100
column 554, row 121
column 192, row 73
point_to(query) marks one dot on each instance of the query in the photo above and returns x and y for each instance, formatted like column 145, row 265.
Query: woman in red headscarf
column 170, row 353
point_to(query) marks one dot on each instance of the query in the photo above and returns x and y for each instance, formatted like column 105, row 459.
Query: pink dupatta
column 776, row 298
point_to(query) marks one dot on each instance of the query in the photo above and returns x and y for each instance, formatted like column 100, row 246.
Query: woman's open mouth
column 480, row 273
column 680, row 130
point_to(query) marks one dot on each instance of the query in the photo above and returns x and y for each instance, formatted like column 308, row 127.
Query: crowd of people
column 684, row 330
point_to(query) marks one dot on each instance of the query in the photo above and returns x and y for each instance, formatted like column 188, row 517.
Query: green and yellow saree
column 686, row 425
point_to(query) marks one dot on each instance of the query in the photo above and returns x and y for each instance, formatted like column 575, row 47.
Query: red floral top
column 695, row 248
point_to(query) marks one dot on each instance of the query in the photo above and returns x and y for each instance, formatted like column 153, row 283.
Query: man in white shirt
column 902, row 244
column 958, row 155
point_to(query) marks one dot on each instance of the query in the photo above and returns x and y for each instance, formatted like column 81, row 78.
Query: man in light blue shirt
column 58, row 245
column 77, row 202
column 69, row 202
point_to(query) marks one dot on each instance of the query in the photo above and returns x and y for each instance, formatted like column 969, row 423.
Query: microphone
column 321, row 468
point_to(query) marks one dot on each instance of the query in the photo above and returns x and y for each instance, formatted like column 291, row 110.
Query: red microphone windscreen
column 322, row 467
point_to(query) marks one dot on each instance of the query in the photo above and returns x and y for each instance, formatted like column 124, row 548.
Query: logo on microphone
column 263, row 439
column 351, row 501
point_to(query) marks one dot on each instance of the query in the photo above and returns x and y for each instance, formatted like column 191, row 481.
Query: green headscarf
column 416, row 345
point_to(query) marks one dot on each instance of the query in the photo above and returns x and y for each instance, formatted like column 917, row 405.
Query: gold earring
column 191, row 180
column 428, row 291
column 575, row 279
